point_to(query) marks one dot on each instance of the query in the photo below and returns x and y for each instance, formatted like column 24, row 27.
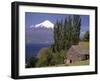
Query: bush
column 86, row 36
column 47, row 58
column 44, row 57
column 58, row 58
column 32, row 62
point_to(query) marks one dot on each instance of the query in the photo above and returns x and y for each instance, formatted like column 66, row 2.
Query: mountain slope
column 45, row 24
column 40, row 33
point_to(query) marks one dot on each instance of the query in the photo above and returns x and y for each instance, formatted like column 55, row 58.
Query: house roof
column 81, row 48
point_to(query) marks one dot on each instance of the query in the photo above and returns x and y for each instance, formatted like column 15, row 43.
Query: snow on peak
column 45, row 24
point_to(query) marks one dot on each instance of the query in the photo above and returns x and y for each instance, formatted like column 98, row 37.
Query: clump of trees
column 32, row 62
column 47, row 57
column 44, row 57
column 86, row 36
column 67, row 33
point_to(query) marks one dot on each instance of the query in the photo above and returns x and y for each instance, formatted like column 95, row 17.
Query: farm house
column 77, row 53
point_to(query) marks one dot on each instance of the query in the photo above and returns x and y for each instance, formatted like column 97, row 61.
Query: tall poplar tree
column 76, row 23
column 67, row 33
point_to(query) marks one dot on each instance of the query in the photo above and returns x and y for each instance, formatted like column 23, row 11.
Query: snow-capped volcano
column 41, row 33
column 45, row 24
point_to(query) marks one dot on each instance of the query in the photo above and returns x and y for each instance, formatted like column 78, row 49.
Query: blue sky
column 36, row 18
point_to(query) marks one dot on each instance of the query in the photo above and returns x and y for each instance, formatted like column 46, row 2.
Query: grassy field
column 84, row 44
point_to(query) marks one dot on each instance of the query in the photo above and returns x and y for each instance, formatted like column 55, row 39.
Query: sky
column 36, row 18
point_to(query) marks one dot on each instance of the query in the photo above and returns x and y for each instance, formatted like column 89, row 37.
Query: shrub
column 44, row 57
column 47, row 58
column 32, row 62
column 58, row 58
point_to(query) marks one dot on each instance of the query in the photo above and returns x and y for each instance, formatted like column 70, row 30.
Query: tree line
column 66, row 33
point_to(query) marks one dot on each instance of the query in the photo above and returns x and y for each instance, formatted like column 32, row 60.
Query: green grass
column 84, row 44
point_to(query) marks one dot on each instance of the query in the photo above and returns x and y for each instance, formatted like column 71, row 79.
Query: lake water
column 33, row 49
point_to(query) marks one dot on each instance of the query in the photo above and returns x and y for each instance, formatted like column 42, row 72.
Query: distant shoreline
column 33, row 49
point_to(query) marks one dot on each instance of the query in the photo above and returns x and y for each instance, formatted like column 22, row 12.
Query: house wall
column 73, row 56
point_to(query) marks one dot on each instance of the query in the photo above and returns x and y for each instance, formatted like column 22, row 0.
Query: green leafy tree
column 86, row 36
column 76, row 23
column 32, row 62
column 67, row 36
column 58, row 35
column 58, row 57
column 44, row 57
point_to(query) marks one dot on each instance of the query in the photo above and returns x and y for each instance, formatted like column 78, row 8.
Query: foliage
column 47, row 58
column 32, row 62
column 58, row 36
column 44, row 57
column 58, row 58
column 76, row 23
column 67, row 36
column 67, row 33
column 86, row 36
